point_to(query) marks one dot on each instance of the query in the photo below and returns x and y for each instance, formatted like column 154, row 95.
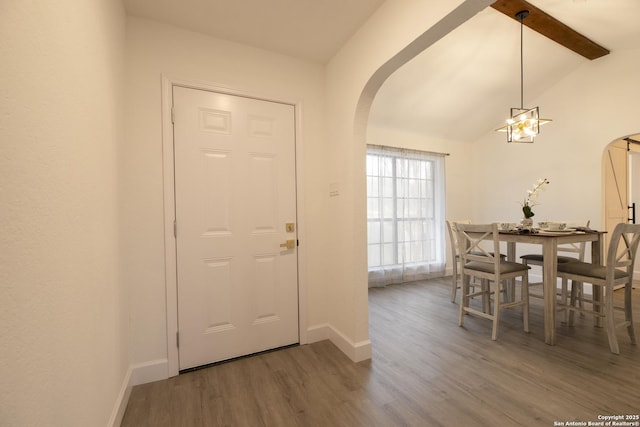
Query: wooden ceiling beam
column 550, row 27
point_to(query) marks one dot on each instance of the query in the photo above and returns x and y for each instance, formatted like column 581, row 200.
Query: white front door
column 235, row 194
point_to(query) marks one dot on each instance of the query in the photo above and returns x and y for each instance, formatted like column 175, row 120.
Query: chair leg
column 580, row 286
column 628, row 311
column 455, row 279
column 563, row 296
column 464, row 299
column 610, row 321
column 525, row 297
column 486, row 295
column 496, row 312
column 572, row 303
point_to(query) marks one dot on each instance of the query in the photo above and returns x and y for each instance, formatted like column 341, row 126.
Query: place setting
column 550, row 227
column 556, row 228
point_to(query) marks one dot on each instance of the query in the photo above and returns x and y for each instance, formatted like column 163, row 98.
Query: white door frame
column 168, row 173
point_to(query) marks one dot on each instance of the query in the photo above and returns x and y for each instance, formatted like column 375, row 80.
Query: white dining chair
column 567, row 253
column 618, row 271
column 489, row 267
column 456, row 278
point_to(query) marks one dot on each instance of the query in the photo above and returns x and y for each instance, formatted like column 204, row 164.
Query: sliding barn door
column 616, row 176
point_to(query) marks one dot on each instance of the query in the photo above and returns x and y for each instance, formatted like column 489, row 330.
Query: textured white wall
column 488, row 179
column 590, row 108
column 154, row 49
column 63, row 308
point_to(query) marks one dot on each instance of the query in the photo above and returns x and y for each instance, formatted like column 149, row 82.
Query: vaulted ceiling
column 463, row 86
column 472, row 74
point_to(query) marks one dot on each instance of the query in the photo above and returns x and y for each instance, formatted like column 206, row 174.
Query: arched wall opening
column 569, row 153
column 463, row 12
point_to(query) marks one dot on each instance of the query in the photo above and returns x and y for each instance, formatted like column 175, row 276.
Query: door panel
column 616, row 186
column 235, row 191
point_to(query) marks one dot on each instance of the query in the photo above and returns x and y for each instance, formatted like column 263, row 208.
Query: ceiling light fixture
column 524, row 123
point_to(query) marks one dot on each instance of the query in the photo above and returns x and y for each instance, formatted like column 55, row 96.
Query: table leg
column 596, row 258
column 511, row 251
column 511, row 283
column 550, row 272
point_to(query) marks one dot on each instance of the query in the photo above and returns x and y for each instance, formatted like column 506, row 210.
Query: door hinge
column 173, row 115
column 175, row 229
column 178, row 339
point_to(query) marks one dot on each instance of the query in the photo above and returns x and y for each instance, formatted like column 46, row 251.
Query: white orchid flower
column 532, row 196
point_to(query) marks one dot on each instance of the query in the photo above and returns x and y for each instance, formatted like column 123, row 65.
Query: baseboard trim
column 153, row 370
column 121, row 402
column 141, row 373
column 156, row 370
column 318, row 333
column 357, row 352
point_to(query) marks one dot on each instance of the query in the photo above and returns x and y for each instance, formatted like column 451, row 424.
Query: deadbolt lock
column 290, row 227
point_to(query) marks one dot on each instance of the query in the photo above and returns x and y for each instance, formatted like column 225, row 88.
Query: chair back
column 470, row 242
column 575, row 248
column 452, row 227
column 623, row 248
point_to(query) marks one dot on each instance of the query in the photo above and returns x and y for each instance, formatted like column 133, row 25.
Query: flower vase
column 527, row 223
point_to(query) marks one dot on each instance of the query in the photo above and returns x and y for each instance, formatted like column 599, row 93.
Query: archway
column 458, row 16
column 621, row 178
column 353, row 78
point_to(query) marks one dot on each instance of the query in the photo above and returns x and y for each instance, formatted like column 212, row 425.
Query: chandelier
column 524, row 123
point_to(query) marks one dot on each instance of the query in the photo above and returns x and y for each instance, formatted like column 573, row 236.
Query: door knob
column 289, row 244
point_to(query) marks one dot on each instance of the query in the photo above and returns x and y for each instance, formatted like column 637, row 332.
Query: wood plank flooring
column 425, row 371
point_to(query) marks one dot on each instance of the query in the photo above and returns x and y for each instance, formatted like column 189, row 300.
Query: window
column 405, row 215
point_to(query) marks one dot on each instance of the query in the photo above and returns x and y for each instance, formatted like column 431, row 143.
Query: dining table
column 549, row 240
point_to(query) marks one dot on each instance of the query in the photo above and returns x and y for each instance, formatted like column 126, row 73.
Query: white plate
column 566, row 230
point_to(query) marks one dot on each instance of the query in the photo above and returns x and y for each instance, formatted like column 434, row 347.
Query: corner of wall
column 357, row 352
column 120, row 406
column 152, row 370
column 140, row 373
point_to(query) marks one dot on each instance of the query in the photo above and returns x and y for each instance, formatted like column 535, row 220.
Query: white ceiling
column 309, row 29
column 458, row 89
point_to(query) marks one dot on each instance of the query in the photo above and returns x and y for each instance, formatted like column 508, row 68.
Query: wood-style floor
column 425, row 371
